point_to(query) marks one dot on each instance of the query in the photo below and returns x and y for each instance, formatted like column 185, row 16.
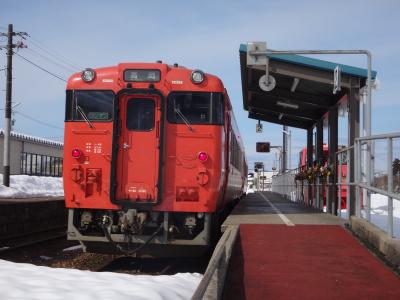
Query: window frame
column 154, row 114
column 69, row 104
column 36, row 164
column 170, row 97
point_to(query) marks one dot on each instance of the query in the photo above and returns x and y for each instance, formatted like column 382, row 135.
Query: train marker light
column 76, row 153
column 197, row 76
column 88, row 75
column 202, row 156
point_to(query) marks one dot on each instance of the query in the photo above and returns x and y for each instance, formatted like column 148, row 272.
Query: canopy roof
column 304, row 104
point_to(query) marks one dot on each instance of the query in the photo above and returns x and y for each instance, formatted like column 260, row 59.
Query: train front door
column 138, row 151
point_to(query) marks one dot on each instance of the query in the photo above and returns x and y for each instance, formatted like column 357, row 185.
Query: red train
column 152, row 156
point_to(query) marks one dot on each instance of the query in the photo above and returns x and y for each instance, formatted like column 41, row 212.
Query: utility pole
column 284, row 149
column 8, row 104
column 288, row 135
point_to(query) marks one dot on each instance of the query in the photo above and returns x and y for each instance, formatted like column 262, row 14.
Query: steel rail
column 24, row 240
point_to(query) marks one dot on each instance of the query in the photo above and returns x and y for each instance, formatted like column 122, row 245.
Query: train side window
column 140, row 114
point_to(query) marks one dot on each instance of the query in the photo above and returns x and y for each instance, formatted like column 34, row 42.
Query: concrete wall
column 368, row 232
column 18, row 146
column 29, row 217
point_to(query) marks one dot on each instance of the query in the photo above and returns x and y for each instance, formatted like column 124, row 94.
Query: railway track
column 50, row 250
column 154, row 266
column 23, row 240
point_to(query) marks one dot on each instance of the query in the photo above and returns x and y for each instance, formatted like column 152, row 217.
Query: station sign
column 258, row 166
column 263, row 147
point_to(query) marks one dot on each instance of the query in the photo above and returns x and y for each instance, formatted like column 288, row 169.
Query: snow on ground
column 73, row 248
column 379, row 213
column 24, row 186
column 26, row 281
column 249, row 191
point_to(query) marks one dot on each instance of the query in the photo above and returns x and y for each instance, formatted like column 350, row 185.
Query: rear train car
column 152, row 156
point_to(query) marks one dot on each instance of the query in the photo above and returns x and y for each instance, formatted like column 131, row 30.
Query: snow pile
column 379, row 213
column 24, row 186
column 26, row 281
column 250, row 191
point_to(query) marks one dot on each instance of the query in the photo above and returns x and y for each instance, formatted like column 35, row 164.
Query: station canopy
column 303, row 93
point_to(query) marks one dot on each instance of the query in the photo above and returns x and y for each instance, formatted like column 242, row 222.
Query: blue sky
column 202, row 34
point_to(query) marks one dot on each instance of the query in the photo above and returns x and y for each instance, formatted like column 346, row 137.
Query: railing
column 382, row 184
column 284, row 184
column 344, row 163
column 41, row 165
column 306, row 191
column 212, row 284
column 314, row 192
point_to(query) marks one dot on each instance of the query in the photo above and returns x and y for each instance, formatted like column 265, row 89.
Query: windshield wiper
column 84, row 116
column 179, row 113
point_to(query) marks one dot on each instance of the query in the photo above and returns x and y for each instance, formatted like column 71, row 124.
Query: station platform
column 271, row 208
column 30, row 216
column 285, row 250
column 4, row 201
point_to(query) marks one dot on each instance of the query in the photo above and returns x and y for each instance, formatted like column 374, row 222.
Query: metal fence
column 313, row 190
column 41, row 165
column 284, row 184
column 386, row 184
column 310, row 192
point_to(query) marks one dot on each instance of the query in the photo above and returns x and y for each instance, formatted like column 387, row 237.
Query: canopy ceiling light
column 294, row 84
column 287, row 104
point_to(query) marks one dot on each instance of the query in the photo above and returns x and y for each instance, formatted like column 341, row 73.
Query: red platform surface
column 306, row 262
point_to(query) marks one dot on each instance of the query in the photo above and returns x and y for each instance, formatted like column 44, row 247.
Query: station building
column 32, row 155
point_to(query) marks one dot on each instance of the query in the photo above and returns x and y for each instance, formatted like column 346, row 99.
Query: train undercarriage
column 140, row 232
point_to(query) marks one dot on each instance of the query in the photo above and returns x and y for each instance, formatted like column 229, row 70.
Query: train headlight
column 197, row 76
column 88, row 75
column 76, row 153
column 202, row 156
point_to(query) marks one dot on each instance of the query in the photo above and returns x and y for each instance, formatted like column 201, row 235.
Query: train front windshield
column 91, row 105
column 196, row 108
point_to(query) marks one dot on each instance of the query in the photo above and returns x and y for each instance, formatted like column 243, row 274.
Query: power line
column 55, row 57
column 39, row 121
column 52, row 61
column 41, row 68
column 54, row 54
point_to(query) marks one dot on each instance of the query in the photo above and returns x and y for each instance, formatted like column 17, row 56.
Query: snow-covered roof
column 34, row 139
